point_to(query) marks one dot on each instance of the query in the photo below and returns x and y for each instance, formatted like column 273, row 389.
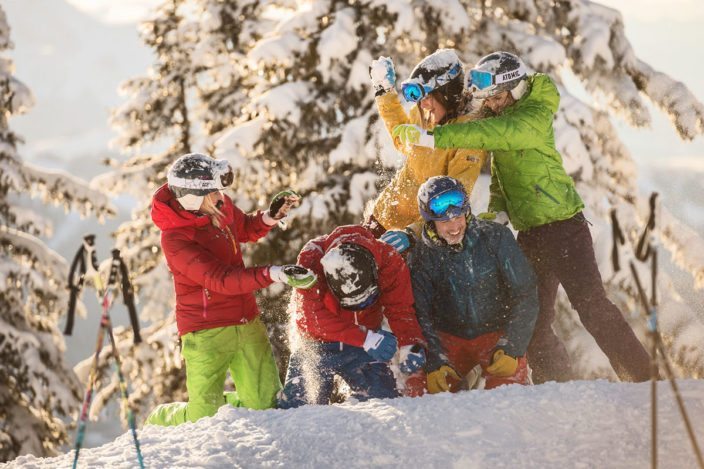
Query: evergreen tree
column 281, row 89
column 36, row 385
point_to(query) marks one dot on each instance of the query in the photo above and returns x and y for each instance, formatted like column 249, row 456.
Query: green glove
column 412, row 134
column 502, row 365
column 282, row 203
column 437, row 380
column 295, row 276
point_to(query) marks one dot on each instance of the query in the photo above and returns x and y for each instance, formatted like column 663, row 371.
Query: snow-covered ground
column 581, row 424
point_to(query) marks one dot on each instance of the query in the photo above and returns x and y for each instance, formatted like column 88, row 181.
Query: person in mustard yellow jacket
column 436, row 86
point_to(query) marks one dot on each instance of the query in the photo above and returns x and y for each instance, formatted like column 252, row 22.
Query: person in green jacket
column 531, row 189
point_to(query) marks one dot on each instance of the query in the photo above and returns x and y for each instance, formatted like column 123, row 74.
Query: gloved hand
column 496, row 217
column 412, row 134
column 502, row 365
column 411, row 358
column 380, row 345
column 282, row 203
column 398, row 239
column 293, row 275
column 437, row 380
column 383, row 75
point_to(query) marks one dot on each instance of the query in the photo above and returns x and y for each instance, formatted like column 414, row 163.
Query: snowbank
column 582, row 424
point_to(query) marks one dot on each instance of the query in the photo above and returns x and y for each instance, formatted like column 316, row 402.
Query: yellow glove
column 437, row 380
column 502, row 365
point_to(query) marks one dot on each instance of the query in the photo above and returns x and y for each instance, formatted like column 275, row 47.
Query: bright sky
column 663, row 34
column 111, row 11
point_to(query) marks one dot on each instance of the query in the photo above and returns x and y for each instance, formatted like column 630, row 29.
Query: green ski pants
column 245, row 351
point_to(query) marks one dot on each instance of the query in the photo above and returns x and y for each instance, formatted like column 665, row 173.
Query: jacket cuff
column 434, row 362
column 263, row 277
column 268, row 219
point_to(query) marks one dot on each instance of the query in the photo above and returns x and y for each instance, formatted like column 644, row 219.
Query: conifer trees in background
column 281, row 90
column 37, row 388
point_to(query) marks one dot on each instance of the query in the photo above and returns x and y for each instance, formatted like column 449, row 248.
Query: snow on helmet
column 193, row 176
column 351, row 274
column 494, row 73
column 441, row 71
column 442, row 198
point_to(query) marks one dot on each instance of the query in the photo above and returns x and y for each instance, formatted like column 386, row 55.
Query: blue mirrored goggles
column 480, row 79
column 441, row 204
column 413, row 91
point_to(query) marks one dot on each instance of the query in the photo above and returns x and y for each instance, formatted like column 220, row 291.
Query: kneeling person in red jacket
column 216, row 313
column 339, row 321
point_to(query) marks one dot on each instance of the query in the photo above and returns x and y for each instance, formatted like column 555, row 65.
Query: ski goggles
column 365, row 303
column 451, row 203
column 222, row 178
column 413, row 90
column 481, row 79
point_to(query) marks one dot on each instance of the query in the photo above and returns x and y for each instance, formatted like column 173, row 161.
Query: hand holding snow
column 382, row 74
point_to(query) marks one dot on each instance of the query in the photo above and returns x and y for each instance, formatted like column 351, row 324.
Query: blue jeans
column 312, row 369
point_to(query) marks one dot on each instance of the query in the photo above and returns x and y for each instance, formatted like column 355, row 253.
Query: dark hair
column 451, row 97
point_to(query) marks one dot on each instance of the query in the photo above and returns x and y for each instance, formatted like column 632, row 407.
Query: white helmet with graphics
column 494, row 73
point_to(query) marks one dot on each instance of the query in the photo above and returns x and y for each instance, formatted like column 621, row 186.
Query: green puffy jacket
column 528, row 180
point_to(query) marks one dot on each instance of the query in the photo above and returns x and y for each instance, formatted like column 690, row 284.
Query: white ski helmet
column 193, row 176
column 494, row 73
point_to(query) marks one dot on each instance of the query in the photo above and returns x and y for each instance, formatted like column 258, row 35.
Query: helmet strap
column 520, row 89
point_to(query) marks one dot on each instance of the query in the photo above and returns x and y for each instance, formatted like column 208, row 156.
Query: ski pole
column 658, row 343
column 124, row 393
column 80, row 433
column 104, row 322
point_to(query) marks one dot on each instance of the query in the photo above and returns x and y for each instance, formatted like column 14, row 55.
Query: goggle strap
column 195, row 183
column 437, row 81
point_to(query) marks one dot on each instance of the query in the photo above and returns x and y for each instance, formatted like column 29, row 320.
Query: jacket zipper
column 206, row 296
column 231, row 237
column 540, row 189
column 206, row 293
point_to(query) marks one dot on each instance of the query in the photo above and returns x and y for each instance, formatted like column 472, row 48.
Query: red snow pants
column 465, row 354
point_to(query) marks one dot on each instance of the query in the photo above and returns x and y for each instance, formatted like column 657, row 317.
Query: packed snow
column 581, row 424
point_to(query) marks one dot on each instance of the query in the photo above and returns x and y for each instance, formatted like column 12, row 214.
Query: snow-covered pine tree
column 36, row 385
column 311, row 124
column 299, row 112
column 155, row 126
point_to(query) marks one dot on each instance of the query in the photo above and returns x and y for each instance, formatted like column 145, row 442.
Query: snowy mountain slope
column 583, row 424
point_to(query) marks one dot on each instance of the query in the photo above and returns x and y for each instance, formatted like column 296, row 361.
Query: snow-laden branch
column 672, row 97
column 60, row 187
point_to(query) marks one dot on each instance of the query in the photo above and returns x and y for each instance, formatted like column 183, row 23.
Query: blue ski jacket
column 487, row 285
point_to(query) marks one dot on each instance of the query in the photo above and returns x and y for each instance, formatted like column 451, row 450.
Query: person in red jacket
column 362, row 280
column 216, row 313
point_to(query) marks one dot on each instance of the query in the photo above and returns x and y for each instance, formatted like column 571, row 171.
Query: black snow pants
column 562, row 253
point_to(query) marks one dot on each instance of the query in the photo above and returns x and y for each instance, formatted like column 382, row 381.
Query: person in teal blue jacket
column 475, row 293
column 531, row 189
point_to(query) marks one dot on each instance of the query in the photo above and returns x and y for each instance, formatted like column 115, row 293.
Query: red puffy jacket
column 318, row 312
column 213, row 287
